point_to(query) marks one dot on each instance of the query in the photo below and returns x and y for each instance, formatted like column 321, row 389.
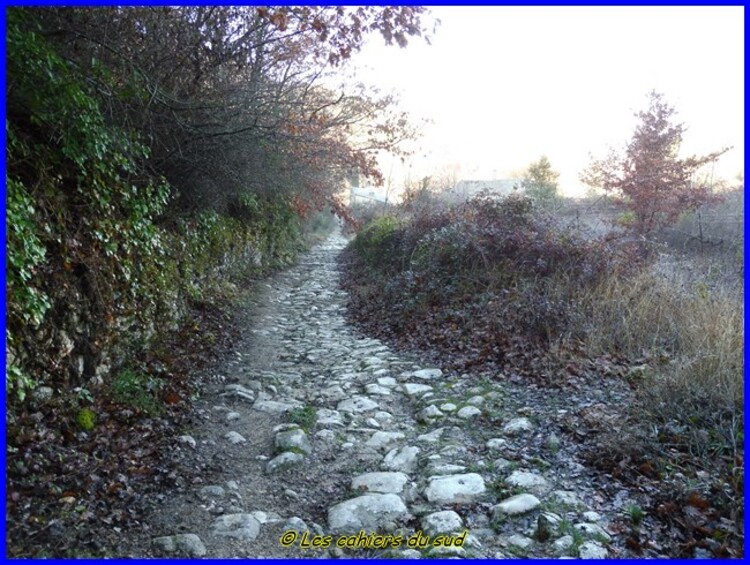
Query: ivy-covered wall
column 98, row 263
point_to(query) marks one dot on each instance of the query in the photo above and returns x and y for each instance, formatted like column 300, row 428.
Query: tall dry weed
column 698, row 334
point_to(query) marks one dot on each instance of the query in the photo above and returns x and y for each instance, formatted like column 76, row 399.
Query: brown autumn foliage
column 652, row 182
column 492, row 283
column 231, row 97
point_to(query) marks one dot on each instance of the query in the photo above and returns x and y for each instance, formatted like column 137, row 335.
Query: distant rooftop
column 367, row 194
column 465, row 189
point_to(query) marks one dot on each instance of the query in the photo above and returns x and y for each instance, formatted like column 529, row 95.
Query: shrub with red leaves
column 490, row 282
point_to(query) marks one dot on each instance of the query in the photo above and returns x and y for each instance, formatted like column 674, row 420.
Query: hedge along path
column 313, row 441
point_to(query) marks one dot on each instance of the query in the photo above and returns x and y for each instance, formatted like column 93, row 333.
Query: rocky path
column 314, row 442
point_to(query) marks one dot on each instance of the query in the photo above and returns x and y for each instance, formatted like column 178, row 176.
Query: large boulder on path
column 368, row 512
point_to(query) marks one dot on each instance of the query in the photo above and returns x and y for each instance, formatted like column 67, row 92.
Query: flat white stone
column 518, row 425
column 432, row 437
column 382, row 440
column 325, row 435
column 404, row 459
column 357, row 404
column 567, row 497
column 285, row 427
column 429, row 412
column 591, row 516
column 445, row 522
column 297, row 524
column 234, row 438
column 240, row 391
column 427, row 374
column 240, row 526
column 518, row 540
column 284, row 461
column 496, row 443
column 552, row 518
column 383, row 482
column 383, row 417
column 591, row 529
column 448, row 407
column 501, row 463
column 333, row 393
column 468, row 412
column 210, row 491
column 329, row 418
column 446, row 469
column 373, row 423
column 377, row 389
column 368, row 512
column 413, row 389
column 265, row 517
column 531, row 481
column 189, row 545
column 293, row 440
column 456, row 451
column 275, row 407
column 518, row 504
column 476, row 400
column 389, row 382
column 562, row 544
column 592, row 550
column 453, row 489
column 187, row 440
column 373, row 361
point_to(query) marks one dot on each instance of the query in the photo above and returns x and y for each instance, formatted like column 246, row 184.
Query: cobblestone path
column 315, row 442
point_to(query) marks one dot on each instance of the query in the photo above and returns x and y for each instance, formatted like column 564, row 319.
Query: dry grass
column 687, row 346
column 697, row 335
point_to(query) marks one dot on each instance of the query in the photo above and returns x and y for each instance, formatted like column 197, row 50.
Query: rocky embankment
column 313, row 441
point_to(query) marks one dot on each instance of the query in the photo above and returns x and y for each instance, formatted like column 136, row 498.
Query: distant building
column 365, row 194
column 465, row 189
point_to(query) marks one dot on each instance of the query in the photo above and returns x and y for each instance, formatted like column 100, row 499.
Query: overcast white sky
column 504, row 85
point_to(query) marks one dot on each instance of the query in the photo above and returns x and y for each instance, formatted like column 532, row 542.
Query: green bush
column 305, row 417
column 86, row 419
column 375, row 242
column 80, row 214
column 137, row 390
column 484, row 279
column 93, row 249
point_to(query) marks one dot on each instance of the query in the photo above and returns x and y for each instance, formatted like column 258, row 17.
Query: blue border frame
column 24, row 3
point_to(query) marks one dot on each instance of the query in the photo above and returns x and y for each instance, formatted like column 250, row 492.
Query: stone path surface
column 313, row 441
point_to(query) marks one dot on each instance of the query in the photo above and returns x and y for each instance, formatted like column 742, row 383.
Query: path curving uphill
column 313, row 441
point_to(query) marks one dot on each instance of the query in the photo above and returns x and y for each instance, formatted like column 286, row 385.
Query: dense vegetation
column 150, row 147
column 500, row 287
column 155, row 157
column 493, row 281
